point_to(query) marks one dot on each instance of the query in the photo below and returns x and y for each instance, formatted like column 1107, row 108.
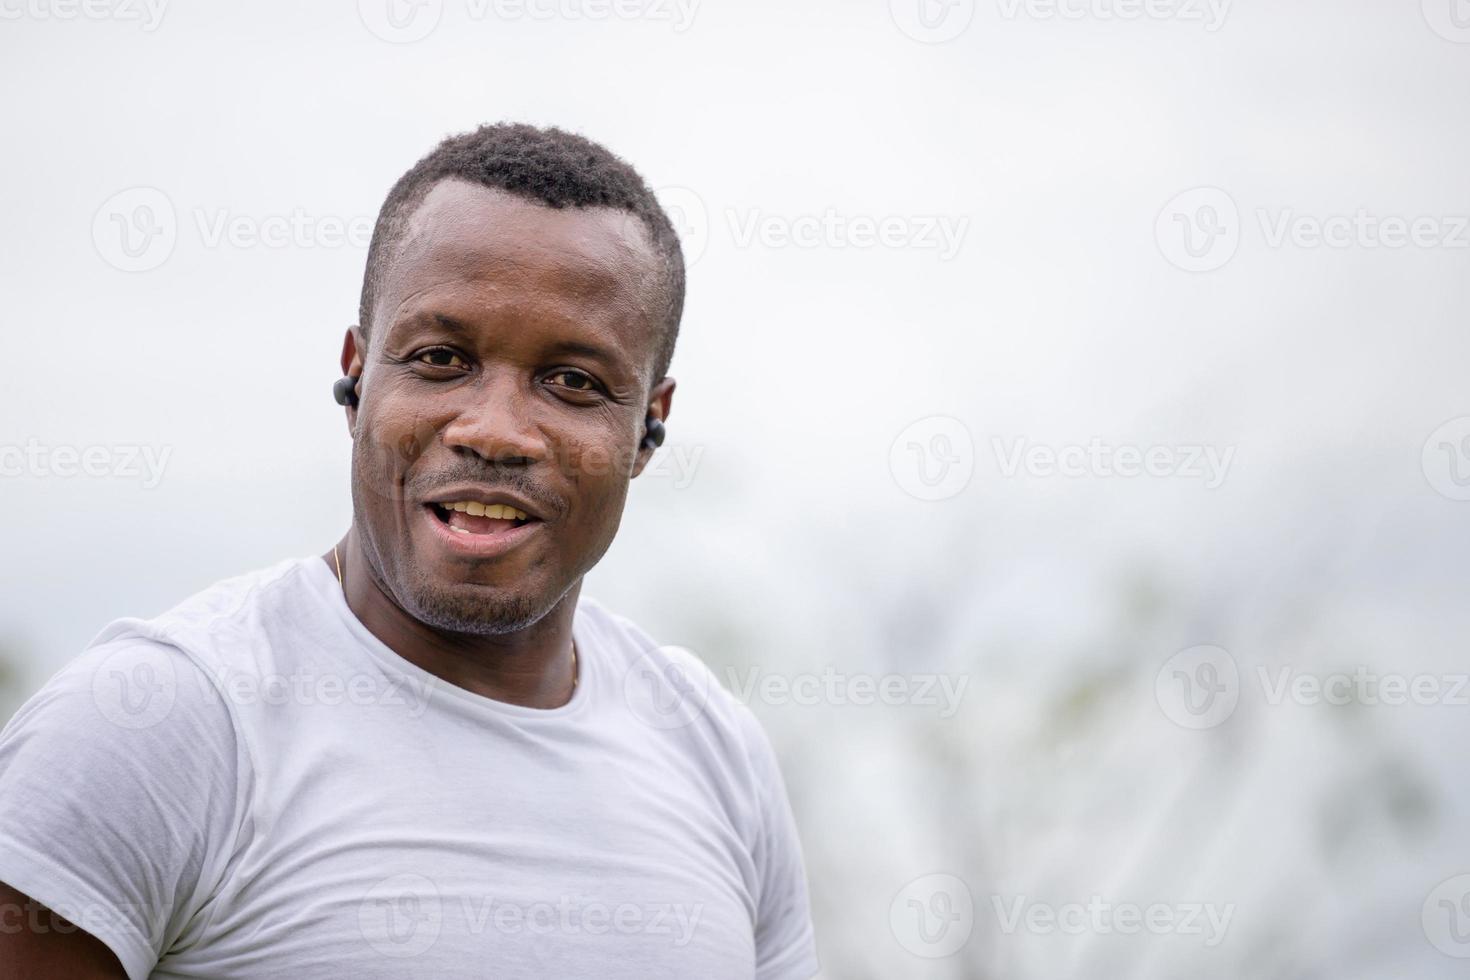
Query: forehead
column 485, row 251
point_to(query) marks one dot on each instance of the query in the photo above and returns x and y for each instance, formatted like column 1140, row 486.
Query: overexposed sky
column 1025, row 161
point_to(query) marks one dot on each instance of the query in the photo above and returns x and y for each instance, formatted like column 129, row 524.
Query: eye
column 441, row 357
column 573, row 380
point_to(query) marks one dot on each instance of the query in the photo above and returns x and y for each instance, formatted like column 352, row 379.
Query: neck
column 533, row 667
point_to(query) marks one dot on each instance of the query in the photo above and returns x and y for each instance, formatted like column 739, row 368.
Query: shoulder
column 687, row 712
column 155, row 689
column 123, row 782
column 671, row 690
column 125, row 717
column 222, row 627
column 638, row 661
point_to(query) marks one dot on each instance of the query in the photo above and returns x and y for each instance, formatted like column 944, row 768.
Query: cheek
column 386, row 444
column 600, row 501
column 596, row 468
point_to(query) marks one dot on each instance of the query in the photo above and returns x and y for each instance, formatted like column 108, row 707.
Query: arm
column 38, row 944
column 119, row 791
column 784, row 939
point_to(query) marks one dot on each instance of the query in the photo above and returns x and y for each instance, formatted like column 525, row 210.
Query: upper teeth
column 474, row 508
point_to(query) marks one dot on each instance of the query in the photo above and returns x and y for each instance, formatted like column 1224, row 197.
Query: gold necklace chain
column 338, row 562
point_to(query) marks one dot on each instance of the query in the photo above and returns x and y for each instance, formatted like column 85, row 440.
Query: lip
column 469, row 491
column 479, row 546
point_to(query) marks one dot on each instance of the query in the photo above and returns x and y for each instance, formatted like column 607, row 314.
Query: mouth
column 471, row 517
column 474, row 530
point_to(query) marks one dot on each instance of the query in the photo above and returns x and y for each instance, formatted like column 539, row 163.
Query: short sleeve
column 120, row 794
column 785, row 944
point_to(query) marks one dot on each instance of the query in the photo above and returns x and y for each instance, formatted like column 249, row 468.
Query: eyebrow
column 586, row 350
column 450, row 323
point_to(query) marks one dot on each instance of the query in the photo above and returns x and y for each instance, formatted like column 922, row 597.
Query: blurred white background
column 1220, row 704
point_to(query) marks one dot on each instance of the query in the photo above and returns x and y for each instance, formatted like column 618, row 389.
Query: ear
column 353, row 349
column 660, row 402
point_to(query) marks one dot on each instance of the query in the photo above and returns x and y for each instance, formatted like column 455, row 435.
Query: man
column 424, row 753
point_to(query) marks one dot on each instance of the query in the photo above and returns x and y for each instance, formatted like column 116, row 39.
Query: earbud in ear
column 344, row 391
column 654, row 433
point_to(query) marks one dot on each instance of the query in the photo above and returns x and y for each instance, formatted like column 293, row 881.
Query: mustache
column 491, row 476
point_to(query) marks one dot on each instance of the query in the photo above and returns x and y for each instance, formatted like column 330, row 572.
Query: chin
column 476, row 610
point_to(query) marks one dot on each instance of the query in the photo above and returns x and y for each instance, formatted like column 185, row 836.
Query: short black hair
column 548, row 165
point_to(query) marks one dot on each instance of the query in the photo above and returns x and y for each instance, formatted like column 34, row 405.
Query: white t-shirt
column 252, row 785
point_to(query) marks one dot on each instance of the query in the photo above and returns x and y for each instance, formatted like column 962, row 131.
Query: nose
column 495, row 419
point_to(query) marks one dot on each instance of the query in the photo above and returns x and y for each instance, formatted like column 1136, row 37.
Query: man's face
column 508, row 364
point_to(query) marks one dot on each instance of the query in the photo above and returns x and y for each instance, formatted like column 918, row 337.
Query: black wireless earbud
column 344, row 391
column 654, row 436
